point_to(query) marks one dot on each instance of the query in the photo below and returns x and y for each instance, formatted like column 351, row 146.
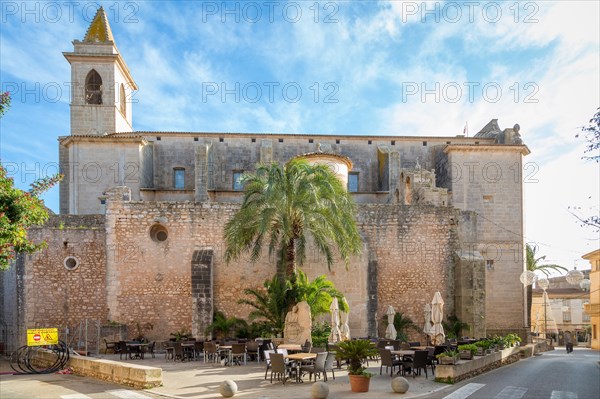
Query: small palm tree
column 454, row 327
column 270, row 303
column 533, row 265
column 224, row 326
column 318, row 293
column 283, row 207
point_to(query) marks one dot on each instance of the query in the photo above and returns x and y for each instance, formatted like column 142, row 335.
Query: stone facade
column 143, row 213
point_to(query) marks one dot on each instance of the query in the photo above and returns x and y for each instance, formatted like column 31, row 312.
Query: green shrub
column 468, row 347
column 320, row 334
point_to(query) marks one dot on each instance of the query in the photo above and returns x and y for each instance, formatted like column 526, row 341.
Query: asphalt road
column 552, row 375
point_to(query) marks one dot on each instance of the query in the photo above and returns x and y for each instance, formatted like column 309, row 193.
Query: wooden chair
column 198, row 349
column 211, row 352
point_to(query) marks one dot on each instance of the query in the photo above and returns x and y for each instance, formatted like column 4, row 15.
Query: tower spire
column 99, row 30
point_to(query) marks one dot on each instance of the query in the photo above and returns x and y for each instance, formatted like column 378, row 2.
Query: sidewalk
column 197, row 379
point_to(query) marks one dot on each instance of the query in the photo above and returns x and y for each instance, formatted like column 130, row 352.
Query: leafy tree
column 284, row 206
column 592, row 136
column 533, row 265
column 224, row 326
column 20, row 210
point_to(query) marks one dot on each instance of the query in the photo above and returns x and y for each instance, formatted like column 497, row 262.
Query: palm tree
column 318, row 293
column 271, row 303
column 224, row 326
column 283, row 207
column 532, row 266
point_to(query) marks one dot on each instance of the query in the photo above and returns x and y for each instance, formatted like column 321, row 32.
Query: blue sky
column 368, row 67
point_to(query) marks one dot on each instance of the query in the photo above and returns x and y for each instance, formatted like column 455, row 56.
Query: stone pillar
column 372, row 293
column 203, row 171
column 394, row 176
column 202, row 292
column 469, row 291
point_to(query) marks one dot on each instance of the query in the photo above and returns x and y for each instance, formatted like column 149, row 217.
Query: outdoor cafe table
column 404, row 353
column 138, row 349
column 290, row 347
column 299, row 358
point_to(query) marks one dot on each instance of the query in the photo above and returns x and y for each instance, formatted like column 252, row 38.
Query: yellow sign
column 42, row 336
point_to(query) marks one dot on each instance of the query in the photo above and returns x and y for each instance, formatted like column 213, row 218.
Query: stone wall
column 48, row 294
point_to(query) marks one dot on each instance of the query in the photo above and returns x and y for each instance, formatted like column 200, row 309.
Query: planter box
column 466, row 369
column 480, row 352
column 447, row 360
column 466, row 355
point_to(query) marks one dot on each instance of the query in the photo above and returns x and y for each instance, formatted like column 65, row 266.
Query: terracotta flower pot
column 359, row 383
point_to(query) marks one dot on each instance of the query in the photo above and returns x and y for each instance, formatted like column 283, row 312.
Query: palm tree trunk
column 290, row 261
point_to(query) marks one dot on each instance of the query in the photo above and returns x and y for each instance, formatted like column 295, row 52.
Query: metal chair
column 150, row 348
column 198, row 349
column 388, row 361
column 210, row 351
column 253, row 350
column 267, row 355
column 109, row 345
column 278, row 367
column 316, row 368
column 238, row 352
column 419, row 362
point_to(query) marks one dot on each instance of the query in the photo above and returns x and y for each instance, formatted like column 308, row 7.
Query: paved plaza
column 196, row 379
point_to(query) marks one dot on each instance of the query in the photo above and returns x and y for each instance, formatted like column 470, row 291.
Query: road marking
column 125, row 394
column 75, row 396
column 465, row 391
column 563, row 395
column 511, row 392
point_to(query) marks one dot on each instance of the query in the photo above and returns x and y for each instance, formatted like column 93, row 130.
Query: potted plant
column 467, row 351
column 512, row 339
column 356, row 352
column 448, row 357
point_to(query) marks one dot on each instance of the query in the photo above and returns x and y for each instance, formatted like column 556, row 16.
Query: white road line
column 465, row 391
column 511, row 392
column 125, row 394
column 563, row 395
column 75, row 396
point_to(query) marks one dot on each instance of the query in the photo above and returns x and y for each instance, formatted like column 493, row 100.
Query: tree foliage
column 284, row 207
column 20, row 210
column 591, row 134
column 533, row 265
column 271, row 303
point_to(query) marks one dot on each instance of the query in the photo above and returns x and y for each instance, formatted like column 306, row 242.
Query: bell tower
column 101, row 84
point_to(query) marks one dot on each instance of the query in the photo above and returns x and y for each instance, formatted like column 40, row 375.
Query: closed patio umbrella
column 437, row 315
column 336, row 334
column 345, row 329
column 427, row 314
column 390, row 331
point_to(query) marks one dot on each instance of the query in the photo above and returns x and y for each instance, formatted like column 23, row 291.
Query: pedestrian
column 568, row 341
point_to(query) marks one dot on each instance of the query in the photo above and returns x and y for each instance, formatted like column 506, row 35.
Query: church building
column 139, row 238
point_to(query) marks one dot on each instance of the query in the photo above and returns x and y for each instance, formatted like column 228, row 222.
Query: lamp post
column 544, row 283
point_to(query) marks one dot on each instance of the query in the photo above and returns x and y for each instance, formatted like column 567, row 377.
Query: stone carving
column 506, row 136
column 298, row 324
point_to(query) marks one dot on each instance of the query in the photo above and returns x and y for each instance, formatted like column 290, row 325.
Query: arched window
column 93, row 88
column 122, row 101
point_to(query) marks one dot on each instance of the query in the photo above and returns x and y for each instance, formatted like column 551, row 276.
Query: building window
column 122, row 101
column 489, row 264
column 237, row 181
column 71, row 263
column 488, row 199
column 566, row 316
column 585, row 317
column 159, row 233
column 353, row 182
column 179, row 178
column 93, row 88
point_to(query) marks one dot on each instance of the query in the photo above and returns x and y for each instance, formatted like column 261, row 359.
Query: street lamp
column 585, row 284
column 574, row 277
column 544, row 283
